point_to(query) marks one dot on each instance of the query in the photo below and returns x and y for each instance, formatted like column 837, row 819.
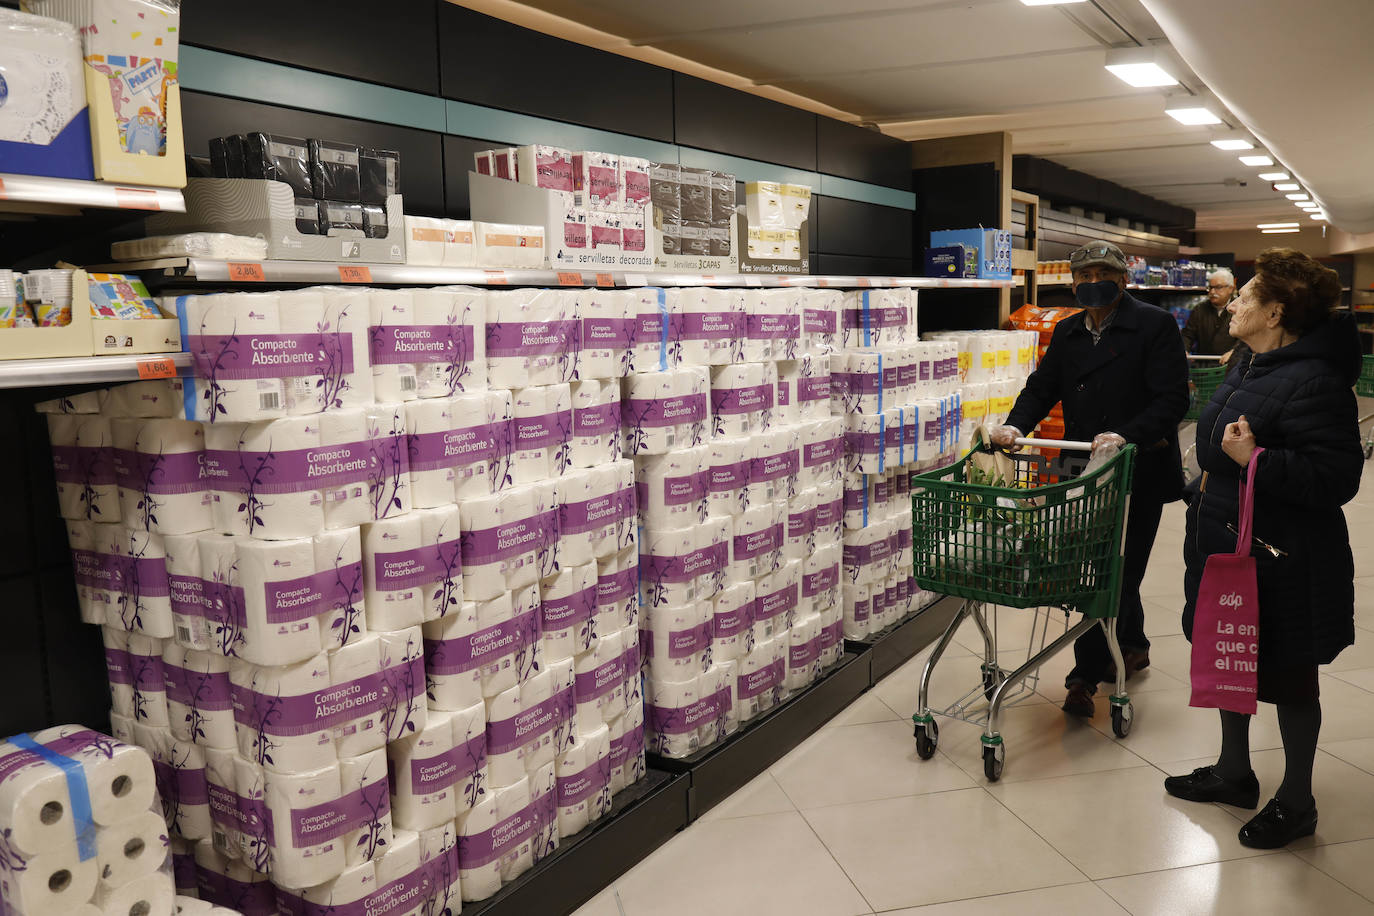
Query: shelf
column 210, row 271
column 643, row 817
column 893, row 647
column 34, row 194
column 75, row 370
column 720, row 769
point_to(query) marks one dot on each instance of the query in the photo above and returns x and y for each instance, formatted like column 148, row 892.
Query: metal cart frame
column 1364, row 387
column 1081, row 523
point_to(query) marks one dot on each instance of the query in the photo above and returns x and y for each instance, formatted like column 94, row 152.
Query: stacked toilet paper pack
column 992, row 369
column 83, row 826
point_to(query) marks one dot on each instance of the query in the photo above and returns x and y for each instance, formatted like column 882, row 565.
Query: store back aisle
column 851, row 822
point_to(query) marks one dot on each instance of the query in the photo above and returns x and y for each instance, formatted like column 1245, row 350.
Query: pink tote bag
column 1225, row 660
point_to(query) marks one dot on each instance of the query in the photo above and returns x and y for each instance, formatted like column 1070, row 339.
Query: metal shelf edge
column 36, row 189
column 73, row 370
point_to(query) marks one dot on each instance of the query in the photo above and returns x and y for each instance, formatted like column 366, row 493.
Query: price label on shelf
column 820, row 281
column 496, row 277
column 752, row 281
column 4, row 195
column 136, row 199
column 605, row 280
column 355, row 273
column 569, row 278
column 245, row 272
column 156, row 368
column 862, row 281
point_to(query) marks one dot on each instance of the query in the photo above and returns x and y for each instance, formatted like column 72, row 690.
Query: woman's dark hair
column 1306, row 290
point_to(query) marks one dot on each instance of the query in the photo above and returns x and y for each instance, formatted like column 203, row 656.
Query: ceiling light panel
column 1274, row 176
column 1050, row 2
column 1194, row 116
column 1232, row 145
column 1298, row 196
column 1277, row 225
column 1277, row 231
column 1287, row 186
column 1256, row 160
column 1142, row 68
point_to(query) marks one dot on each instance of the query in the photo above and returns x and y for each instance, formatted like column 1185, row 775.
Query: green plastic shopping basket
column 1045, row 542
column 1364, row 385
column 1203, row 382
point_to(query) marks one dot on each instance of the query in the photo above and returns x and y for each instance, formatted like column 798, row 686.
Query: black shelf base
column 719, row 770
column 643, row 817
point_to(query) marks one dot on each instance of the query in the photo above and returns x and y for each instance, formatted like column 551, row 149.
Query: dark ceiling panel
column 855, row 152
column 715, row 117
column 389, row 43
column 490, row 62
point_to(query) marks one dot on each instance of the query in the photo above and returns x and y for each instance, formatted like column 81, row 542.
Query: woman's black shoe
column 1204, row 785
column 1278, row 825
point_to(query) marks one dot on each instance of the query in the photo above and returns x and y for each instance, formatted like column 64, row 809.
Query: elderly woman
column 1292, row 397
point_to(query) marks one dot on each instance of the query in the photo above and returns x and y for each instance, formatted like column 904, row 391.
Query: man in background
column 1208, row 331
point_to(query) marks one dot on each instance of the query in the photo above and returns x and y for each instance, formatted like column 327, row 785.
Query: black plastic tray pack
column 334, row 170
column 340, row 214
column 308, row 216
column 379, row 175
column 374, row 221
column 278, row 158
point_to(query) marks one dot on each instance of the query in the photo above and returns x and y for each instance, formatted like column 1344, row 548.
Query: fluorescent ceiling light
column 1310, row 206
column 1288, row 186
column 1192, row 109
column 1050, row 2
column 1273, row 176
column 1256, row 160
column 1303, row 204
column 1140, row 67
column 1298, row 196
column 1277, row 225
column 1231, row 144
column 1277, row 231
column 1319, row 216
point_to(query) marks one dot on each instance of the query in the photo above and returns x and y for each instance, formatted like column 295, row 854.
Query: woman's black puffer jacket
column 1299, row 403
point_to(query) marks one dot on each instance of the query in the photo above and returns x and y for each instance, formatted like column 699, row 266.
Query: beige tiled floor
column 851, row 822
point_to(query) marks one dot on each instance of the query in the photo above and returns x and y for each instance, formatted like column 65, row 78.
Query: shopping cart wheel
column 1122, row 714
column 1369, row 448
column 991, row 678
column 994, row 752
column 927, row 735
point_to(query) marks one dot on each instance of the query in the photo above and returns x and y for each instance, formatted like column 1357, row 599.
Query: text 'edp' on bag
column 1225, row 660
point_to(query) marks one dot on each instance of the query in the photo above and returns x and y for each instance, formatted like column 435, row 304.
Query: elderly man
column 1120, row 371
column 1208, row 331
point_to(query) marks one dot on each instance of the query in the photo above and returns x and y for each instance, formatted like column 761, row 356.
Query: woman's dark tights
column 1299, row 724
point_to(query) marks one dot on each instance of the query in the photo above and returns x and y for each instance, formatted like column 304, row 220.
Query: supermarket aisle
column 852, row 822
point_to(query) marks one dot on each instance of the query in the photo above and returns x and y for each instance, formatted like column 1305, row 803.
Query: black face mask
column 1097, row 295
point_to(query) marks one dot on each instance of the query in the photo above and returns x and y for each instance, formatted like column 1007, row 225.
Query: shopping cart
column 1364, row 387
column 1203, row 380
column 1046, row 540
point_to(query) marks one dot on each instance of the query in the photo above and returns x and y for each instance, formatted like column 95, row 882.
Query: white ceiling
column 935, row 68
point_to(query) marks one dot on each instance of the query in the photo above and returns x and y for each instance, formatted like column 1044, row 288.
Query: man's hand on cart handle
column 1004, row 437
column 1108, row 440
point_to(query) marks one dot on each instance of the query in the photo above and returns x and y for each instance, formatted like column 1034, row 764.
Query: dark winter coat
column 1133, row 382
column 1299, row 404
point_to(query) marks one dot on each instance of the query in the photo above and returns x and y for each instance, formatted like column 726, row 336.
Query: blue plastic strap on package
column 663, row 338
column 880, row 382
column 188, row 387
column 901, row 436
column 865, row 501
column 868, row 324
column 882, row 439
column 76, row 788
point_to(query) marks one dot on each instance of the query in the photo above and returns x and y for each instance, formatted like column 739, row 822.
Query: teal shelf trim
column 848, row 188
column 239, row 77
column 468, row 120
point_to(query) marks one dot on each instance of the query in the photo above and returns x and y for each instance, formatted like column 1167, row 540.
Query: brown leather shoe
column 1135, row 659
column 1079, row 701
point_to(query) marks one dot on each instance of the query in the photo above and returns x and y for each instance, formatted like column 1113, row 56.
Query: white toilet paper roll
column 820, row 590
column 339, row 577
column 732, row 622
column 403, row 682
column 366, row 803
column 180, row 768
column 820, row 320
column 567, row 608
column 544, row 810
column 452, row 669
column 447, row 341
column 261, row 474
column 775, row 606
column 424, row 772
column 677, row 643
column 617, row 591
column 479, row 854
column 355, row 670
column 607, row 331
column 130, row 849
column 353, row 886
column 287, row 714
column 154, row 893
column 282, row 600
column 391, row 549
column 596, row 423
column 664, row 578
column 84, row 466
column 391, row 314
column 756, row 545
column 161, row 485
column 389, row 471
column 150, row 398
column 531, row 338
column 307, row 847
column 599, row 683
column 342, row 467
column 801, row 526
column 655, row 335
column 237, row 348
column 673, row 715
column 144, row 604
column 119, row 777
